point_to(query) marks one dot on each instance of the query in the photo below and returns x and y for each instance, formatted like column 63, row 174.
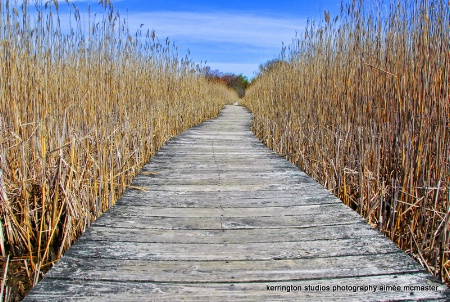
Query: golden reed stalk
column 80, row 114
column 361, row 102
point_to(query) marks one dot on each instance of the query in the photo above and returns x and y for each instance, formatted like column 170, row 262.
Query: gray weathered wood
column 111, row 290
column 216, row 216
column 274, row 235
column 230, row 271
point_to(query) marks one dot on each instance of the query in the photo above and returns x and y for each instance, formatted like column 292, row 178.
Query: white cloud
column 229, row 41
column 220, row 27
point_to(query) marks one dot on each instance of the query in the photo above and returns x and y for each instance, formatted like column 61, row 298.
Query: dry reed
column 81, row 113
column 362, row 104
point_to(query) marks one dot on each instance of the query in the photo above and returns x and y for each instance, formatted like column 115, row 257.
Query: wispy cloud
column 230, row 42
column 227, row 40
column 220, row 27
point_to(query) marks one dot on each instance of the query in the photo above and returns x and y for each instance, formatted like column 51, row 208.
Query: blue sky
column 231, row 36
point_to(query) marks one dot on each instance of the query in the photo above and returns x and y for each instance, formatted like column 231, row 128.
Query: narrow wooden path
column 219, row 217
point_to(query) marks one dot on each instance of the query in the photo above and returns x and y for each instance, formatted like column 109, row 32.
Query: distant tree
column 214, row 75
column 236, row 82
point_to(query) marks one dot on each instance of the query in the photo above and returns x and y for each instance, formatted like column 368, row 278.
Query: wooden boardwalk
column 219, row 217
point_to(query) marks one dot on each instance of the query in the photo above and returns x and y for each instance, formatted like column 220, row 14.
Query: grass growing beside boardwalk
column 361, row 102
column 80, row 113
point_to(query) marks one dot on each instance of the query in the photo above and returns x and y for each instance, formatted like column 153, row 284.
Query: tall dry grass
column 361, row 102
column 81, row 112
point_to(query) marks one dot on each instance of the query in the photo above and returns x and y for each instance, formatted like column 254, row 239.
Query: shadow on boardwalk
column 216, row 216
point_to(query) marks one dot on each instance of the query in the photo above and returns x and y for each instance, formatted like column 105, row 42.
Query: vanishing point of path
column 217, row 216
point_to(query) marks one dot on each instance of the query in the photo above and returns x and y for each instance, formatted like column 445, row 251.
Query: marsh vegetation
column 361, row 102
column 81, row 111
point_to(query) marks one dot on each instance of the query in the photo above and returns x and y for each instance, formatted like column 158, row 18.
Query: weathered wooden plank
column 180, row 159
column 144, row 212
column 220, row 199
column 230, row 193
column 218, row 180
column 395, row 288
column 227, row 251
column 230, row 271
column 229, row 152
column 205, row 165
column 208, row 223
column 217, row 216
column 229, row 186
column 274, row 235
column 254, row 175
column 185, row 200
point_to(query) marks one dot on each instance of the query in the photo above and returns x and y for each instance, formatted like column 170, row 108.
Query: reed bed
column 361, row 102
column 81, row 112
